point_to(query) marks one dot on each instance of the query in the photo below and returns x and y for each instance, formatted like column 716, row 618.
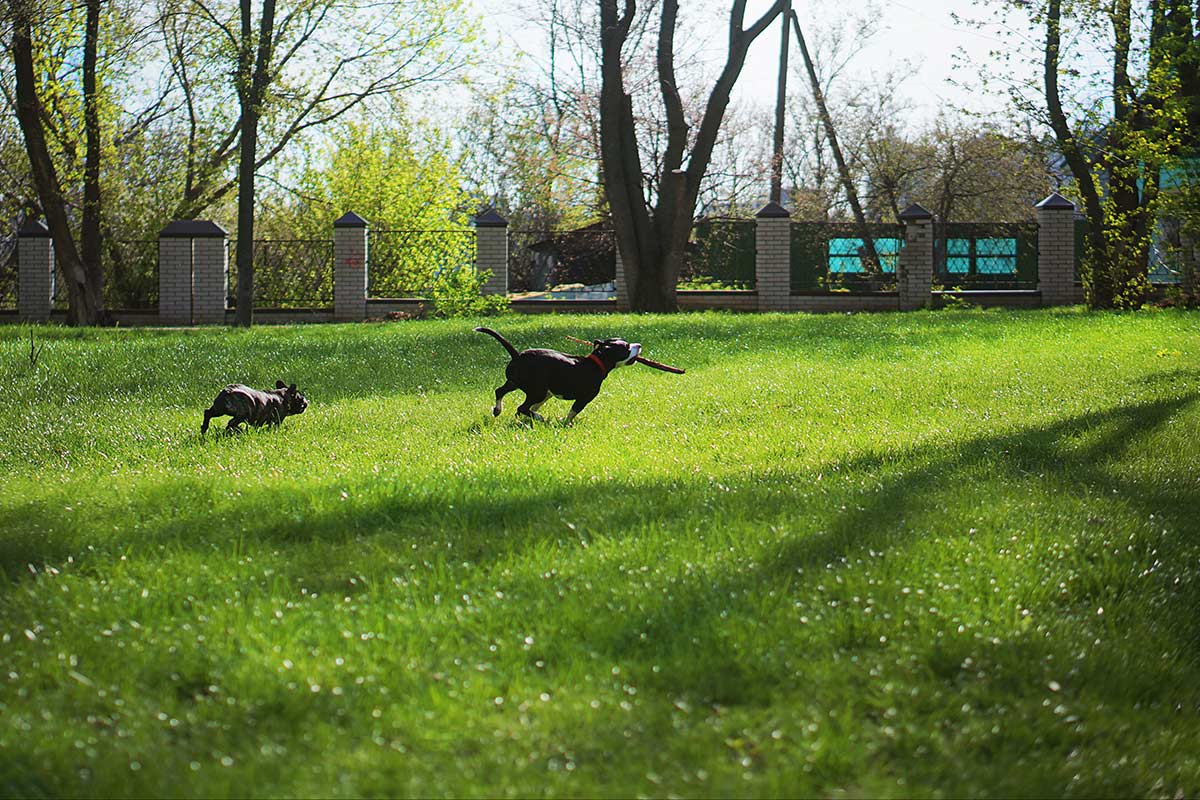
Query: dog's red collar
column 603, row 369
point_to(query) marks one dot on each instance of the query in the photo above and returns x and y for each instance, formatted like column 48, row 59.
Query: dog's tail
column 512, row 351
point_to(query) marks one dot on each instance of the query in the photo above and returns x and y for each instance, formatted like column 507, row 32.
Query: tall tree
column 780, row 106
column 80, row 263
column 652, row 233
column 294, row 68
column 253, row 77
column 1119, row 183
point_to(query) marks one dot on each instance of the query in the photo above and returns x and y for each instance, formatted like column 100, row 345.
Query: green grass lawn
column 931, row 554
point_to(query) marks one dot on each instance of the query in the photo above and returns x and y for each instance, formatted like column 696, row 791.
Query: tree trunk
column 653, row 242
column 780, row 108
column 91, row 293
column 1127, row 239
column 622, row 166
column 244, row 253
column 85, row 297
column 253, row 78
column 1096, row 263
column 870, row 255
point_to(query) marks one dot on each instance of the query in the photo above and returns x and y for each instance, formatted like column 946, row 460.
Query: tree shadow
column 493, row 523
column 429, row 359
column 498, row 513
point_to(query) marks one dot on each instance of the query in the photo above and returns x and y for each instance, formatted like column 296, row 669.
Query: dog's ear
column 292, row 388
column 280, row 384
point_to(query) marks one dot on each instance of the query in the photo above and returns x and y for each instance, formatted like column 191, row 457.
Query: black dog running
column 541, row 373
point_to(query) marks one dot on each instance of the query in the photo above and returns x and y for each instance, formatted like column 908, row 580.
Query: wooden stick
column 657, row 365
column 639, row 359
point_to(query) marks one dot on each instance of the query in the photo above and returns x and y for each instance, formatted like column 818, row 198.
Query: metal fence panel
column 720, row 255
column 831, row 256
column 288, row 273
column 540, row 258
column 130, row 276
column 8, row 273
column 986, row 255
column 131, row 273
column 405, row 263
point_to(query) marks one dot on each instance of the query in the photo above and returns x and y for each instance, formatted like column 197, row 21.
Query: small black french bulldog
column 541, row 373
column 257, row 408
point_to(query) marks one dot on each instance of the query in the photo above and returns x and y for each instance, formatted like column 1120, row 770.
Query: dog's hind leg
column 533, row 401
column 500, row 392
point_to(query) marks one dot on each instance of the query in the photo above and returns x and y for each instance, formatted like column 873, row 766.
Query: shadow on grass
column 486, row 513
column 1081, row 459
column 331, row 365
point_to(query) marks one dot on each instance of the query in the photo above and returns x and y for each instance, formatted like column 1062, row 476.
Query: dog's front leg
column 576, row 407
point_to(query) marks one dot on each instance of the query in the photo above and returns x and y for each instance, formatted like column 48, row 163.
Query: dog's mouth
column 634, row 351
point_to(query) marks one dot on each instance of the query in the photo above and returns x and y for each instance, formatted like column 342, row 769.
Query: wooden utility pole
column 870, row 256
column 780, row 104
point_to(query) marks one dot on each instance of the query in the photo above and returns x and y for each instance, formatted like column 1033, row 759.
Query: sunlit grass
column 925, row 554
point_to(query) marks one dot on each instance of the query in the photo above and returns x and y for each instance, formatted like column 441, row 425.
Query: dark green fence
column 720, row 255
column 831, row 256
column 540, row 259
column 405, row 263
column 1166, row 253
column 131, row 273
column 986, row 255
column 288, row 273
column 8, row 273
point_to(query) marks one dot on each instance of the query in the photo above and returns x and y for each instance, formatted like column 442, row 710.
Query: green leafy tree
column 1116, row 125
column 535, row 163
column 653, row 233
column 403, row 181
column 56, row 75
column 292, row 68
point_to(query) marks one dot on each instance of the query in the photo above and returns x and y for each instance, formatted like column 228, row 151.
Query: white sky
column 922, row 32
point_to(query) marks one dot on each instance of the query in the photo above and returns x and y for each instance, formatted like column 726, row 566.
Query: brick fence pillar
column 210, row 273
column 1189, row 266
column 622, row 287
column 914, row 273
column 773, row 258
column 1056, row 251
column 35, row 272
column 491, row 251
column 350, row 268
column 192, row 273
column 175, row 274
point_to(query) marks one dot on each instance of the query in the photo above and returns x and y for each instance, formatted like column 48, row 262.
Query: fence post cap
column 489, row 219
column 915, row 213
column 773, row 211
column 192, row 229
column 1055, row 202
column 350, row 220
column 34, row 228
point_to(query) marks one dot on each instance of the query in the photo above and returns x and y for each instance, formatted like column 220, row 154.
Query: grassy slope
column 953, row 553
